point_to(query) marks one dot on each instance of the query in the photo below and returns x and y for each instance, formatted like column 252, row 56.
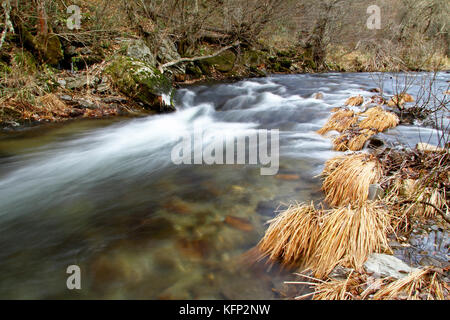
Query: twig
column 442, row 213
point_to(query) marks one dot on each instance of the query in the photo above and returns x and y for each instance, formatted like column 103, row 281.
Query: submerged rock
column 239, row 223
column 141, row 82
column 387, row 266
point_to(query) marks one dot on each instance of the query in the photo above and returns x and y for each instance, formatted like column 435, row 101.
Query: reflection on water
column 104, row 195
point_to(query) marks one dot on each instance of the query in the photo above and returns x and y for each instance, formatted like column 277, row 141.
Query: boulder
column 387, row 266
column 167, row 52
column 141, row 82
column 138, row 49
column 223, row 63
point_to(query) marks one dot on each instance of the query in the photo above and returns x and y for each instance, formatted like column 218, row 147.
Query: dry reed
column 292, row 235
column 340, row 121
column 348, row 236
column 353, row 140
column 379, row 120
column 354, row 101
column 348, row 178
column 419, row 285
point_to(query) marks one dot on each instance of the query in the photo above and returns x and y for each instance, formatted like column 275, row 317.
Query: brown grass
column 348, row 236
column 337, row 289
column 353, row 140
column 419, row 285
column 400, row 99
column 348, row 178
column 372, row 111
column 292, row 235
column 354, row 101
column 379, row 120
column 340, row 121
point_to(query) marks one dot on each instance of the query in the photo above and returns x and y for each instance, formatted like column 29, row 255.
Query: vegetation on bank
column 50, row 72
column 372, row 199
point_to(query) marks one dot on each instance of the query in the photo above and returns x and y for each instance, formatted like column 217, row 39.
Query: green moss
column 53, row 51
column 139, row 81
column 194, row 70
column 254, row 58
column 49, row 48
column 223, row 62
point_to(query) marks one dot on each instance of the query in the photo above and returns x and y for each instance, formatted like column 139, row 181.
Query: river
column 106, row 196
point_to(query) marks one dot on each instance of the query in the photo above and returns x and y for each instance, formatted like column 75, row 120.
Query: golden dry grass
column 348, row 236
column 336, row 289
column 354, row 101
column 379, row 120
column 419, row 285
column 340, row 121
column 432, row 196
column 372, row 111
column 348, row 178
column 292, row 235
column 352, row 140
column 400, row 99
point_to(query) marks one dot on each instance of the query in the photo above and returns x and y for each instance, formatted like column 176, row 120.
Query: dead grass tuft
column 292, row 235
column 353, row 140
column 340, row 121
column 354, row 101
column 348, row 236
column 379, row 120
column 348, row 178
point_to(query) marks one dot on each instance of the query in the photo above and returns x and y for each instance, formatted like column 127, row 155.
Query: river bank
column 127, row 77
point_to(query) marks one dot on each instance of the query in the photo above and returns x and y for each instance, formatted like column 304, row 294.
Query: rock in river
column 387, row 266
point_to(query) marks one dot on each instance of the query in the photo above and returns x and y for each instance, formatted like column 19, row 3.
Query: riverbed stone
column 387, row 266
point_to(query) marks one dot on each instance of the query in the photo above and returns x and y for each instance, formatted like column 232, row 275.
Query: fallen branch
column 442, row 213
column 172, row 63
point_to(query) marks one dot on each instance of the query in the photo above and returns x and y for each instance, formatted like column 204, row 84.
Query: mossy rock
column 253, row 58
column 194, row 70
column 49, row 48
column 285, row 63
column 223, row 62
column 141, row 82
column 53, row 52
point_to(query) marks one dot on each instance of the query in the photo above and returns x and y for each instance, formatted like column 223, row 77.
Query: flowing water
column 105, row 195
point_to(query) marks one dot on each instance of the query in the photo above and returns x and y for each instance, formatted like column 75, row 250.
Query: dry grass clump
column 379, row 120
column 348, row 178
column 292, row 235
column 348, row 236
column 427, row 200
column 354, row 101
column 423, row 284
column 340, row 121
column 337, row 289
column 372, row 111
column 320, row 240
column 400, row 99
column 419, row 285
column 353, row 140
